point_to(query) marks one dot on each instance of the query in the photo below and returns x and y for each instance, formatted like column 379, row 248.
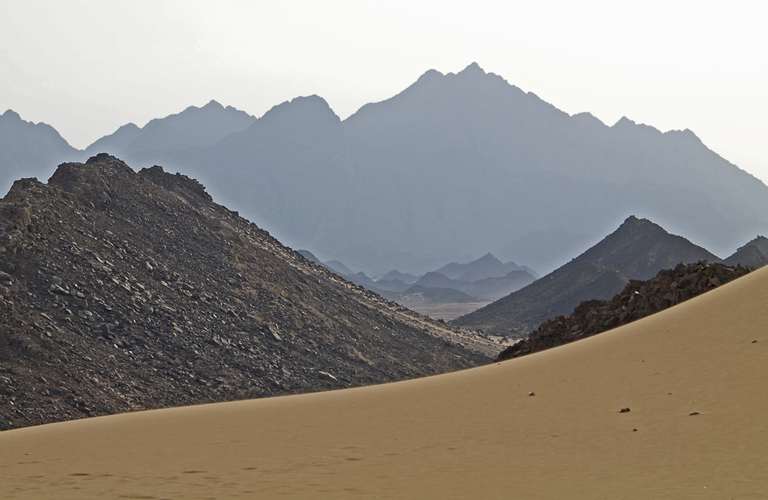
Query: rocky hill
column 638, row 300
column 124, row 291
column 638, row 249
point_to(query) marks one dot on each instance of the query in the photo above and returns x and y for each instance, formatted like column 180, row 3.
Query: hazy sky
column 87, row 67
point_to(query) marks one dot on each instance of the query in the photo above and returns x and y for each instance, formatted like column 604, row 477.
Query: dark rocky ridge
column 124, row 291
column 638, row 300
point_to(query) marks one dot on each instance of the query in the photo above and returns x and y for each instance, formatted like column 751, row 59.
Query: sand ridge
column 471, row 434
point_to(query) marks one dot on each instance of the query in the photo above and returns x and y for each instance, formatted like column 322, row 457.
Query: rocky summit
column 638, row 300
column 123, row 291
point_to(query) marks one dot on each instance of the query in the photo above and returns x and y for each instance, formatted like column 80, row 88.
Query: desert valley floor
column 545, row 426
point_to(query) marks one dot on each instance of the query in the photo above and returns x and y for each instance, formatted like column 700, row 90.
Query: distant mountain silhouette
column 29, row 150
column 460, row 164
column 193, row 127
column 486, row 266
column 753, row 254
column 638, row 249
column 397, row 275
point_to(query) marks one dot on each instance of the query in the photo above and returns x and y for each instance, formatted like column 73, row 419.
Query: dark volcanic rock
column 124, row 291
column 638, row 300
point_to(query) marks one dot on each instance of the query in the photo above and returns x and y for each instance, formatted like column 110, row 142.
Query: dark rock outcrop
column 638, row 300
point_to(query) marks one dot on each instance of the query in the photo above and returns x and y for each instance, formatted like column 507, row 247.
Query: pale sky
column 87, row 67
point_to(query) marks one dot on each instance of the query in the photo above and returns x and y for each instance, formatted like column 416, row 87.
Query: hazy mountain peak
column 488, row 258
column 313, row 104
column 471, row 75
column 11, row 114
column 686, row 136
column 473, row 69
column 128, row 127
column 300, row 113
column 213, row 104
column 624, row 122
column 430, row 75
column 630, row 126
column 587, row 118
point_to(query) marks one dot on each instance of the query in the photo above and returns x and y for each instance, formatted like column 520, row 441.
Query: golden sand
column 471, row 434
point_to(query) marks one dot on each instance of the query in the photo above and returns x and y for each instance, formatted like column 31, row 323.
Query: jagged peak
column 489, row 257
column 473, row 69
column 624, row 122
column 470, row 73
column 213, row 104
column 301, row 107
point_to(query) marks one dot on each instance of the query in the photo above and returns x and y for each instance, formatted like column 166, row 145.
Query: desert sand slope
column 471, row 434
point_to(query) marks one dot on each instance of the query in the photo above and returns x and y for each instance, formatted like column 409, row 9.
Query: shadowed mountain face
column 636, row 250
column 29, row 150
column 123, row 291
column 463, row 164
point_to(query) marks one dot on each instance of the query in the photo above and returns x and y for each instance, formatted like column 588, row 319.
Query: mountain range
column 453, row 167
column 474, row 283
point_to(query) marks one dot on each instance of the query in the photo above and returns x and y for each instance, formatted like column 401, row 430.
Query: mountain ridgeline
column 453, row 167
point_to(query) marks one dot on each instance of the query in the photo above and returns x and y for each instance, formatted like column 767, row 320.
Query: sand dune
column 471, row 434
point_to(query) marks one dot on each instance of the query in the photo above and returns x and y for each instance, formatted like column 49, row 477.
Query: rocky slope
column 638, row 249
column 123, row 291
column 638, row 300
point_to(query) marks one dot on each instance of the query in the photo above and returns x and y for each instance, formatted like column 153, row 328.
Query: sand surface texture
column 471, row 434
